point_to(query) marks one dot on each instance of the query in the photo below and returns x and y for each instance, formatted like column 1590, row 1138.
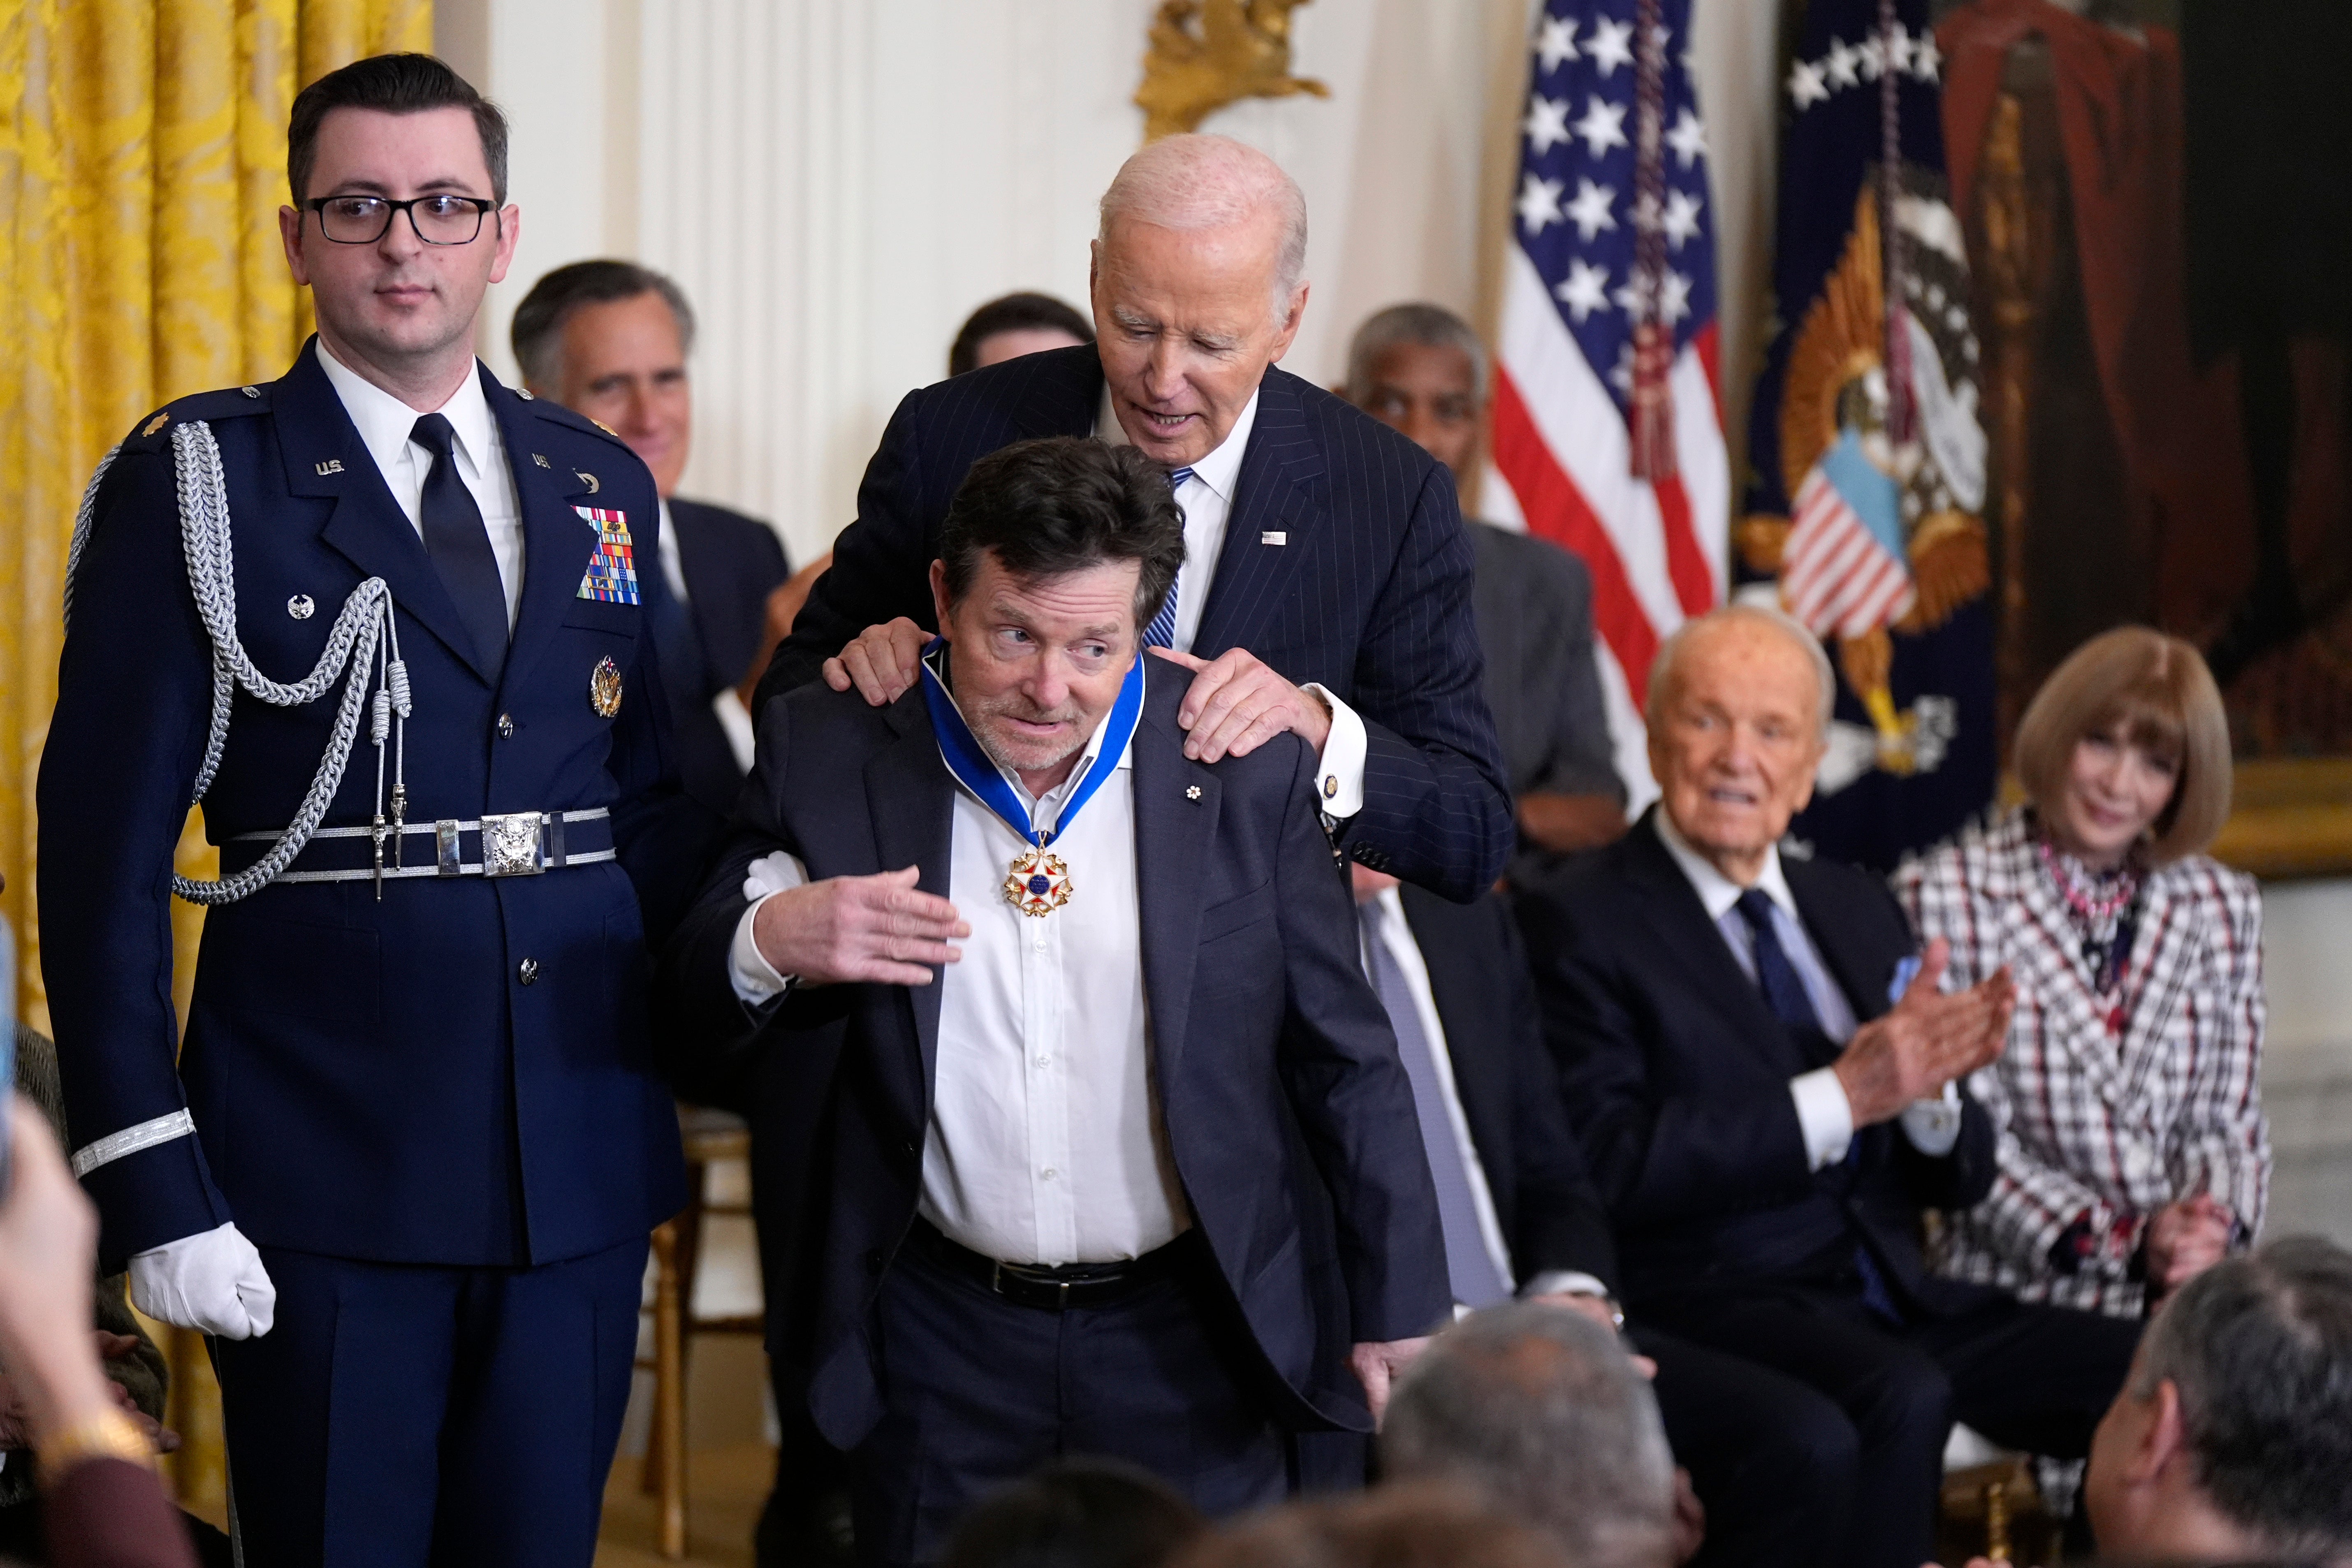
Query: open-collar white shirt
column 1206, row 499
column 1045, row 1143
column 384, row 424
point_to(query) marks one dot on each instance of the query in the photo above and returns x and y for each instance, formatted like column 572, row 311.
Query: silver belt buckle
column 510, row 844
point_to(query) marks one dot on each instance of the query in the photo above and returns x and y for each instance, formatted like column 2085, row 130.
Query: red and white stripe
column 1656, row 552
column 1835, row 576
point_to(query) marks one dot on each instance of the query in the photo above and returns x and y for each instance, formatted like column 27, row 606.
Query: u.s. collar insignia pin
column 1192, row 791
column 331, row 466
column 605, row 687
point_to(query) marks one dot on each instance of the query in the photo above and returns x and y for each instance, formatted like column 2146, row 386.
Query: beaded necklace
column 2103, row 906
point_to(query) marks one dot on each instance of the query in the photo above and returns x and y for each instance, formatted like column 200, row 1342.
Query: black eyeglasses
column 438, row 219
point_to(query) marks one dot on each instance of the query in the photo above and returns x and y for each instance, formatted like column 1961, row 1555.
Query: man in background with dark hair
column 2232, row 1441
column 610, row 340
column 403, row 1169
column 1015, row 325
column 1421, row 371
column 1057, row 1209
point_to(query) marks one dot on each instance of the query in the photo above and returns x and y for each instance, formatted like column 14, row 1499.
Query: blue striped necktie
column 1161, row 632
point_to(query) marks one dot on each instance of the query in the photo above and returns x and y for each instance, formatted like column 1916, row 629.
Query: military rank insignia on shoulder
column 611, row 574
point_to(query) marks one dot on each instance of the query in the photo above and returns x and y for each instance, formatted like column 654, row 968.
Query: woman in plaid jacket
column 2133, row 1151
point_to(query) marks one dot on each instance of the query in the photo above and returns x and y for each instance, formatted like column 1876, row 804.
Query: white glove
column 212, row 1281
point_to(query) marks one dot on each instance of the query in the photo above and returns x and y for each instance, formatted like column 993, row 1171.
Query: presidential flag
column 1865, row 505
column 1608, row 433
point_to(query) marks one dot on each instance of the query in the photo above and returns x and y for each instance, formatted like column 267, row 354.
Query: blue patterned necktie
column 459, row 545
column 1784, row 993
column 1161, row 632
column 1469, row 1266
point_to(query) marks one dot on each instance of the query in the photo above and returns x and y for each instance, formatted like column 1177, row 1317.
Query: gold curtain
column 143, row 162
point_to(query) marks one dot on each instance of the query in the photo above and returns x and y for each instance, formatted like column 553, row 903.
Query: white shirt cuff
column 1933, row 1125
column 735, row 724
column 1564, row 1282
column 1825, row 1114
column 756, row 980
column 1339, row 771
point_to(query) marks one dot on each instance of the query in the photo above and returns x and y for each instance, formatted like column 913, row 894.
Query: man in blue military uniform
column 406, row 1168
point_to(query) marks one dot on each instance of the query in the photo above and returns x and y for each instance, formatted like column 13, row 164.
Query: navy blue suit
column 1369, row 594
column 1676, row 1074
column 732, row 565
column 1289, row 1118
column 436, row 1113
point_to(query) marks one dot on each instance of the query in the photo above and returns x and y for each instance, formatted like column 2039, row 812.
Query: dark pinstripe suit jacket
column 1369, row 594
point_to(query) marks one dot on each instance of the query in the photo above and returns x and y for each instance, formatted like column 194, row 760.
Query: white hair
column 1196, row 181
column 1661, row 668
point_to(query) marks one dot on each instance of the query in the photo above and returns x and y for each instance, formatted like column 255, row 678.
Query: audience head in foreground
column 2232, row 1441
column 1076, row 1513
column 1198, row 286
column 1015, row 325
column 610, row 340
column 1410, row 1526
column 1419, row 370
column 1738, row 712
column 1540, row 1409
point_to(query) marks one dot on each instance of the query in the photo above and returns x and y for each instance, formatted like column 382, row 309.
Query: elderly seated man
column 1767, row 1085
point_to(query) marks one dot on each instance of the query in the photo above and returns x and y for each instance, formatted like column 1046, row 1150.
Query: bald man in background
column 610, row 340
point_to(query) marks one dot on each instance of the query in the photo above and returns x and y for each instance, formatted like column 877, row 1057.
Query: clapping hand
column 1926, row 1040
column 2184, row 1239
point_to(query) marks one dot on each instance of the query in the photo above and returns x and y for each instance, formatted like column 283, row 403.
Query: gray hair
column 1540, row 1408
column 1427, row 325
column 1196, row 181
column 2260, row 1347
column 1670, row 652
column 537, row 333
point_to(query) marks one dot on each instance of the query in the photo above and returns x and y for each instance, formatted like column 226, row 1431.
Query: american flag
column 1578, row 284
column 1844, row 572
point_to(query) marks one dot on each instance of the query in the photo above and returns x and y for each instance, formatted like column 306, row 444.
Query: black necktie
column 1784, row 993
column 461, row 547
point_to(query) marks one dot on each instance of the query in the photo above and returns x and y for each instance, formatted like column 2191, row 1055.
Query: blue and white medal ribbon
column 1038, row 883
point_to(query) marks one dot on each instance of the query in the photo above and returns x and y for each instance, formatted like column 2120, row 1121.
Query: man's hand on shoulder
column 1925, row 1041
column 880, row 661
column 882, row 928
column 1237, row 703
column 1379, row 1363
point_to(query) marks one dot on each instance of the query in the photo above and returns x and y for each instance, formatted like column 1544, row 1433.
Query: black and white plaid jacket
column 2093, row 1122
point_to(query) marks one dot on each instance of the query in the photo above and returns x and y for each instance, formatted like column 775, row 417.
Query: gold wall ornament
column 1206, row 54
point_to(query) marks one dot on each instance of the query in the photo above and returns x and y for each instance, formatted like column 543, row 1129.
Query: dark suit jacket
column 1677, row 1078
column 733, row 563
column 1534, row 603
column 369, row 1078
column 1275, row 1067
column 1552, row 1217
column 1368, row 595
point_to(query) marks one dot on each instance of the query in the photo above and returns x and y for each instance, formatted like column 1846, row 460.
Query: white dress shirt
column 384, row 423
column 1394, row 933
column 1207, row 502
column 1045, row 1145
column 1822, row 1110
column 734, row 718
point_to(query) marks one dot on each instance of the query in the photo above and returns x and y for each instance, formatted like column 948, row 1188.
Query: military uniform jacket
column 459, row 1074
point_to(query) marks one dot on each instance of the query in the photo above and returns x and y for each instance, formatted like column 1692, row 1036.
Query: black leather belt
column 1059, row 1288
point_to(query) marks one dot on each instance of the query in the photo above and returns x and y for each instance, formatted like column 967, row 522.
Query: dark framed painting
column 2159, row 232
